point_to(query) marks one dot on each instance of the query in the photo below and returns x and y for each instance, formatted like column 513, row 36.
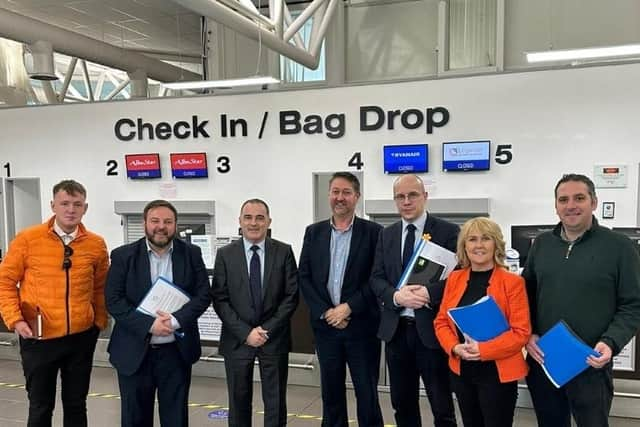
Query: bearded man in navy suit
column 155, row 354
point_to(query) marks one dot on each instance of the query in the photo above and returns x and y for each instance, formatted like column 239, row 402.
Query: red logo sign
column 188, row 160
column 142, row 161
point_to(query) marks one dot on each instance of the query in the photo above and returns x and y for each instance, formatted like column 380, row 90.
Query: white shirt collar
column 419, row 222
column 248, row 244
column 333, row 225
column 150, row 249
column 60, row 232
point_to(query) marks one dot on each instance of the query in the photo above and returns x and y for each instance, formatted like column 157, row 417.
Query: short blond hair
column 485, row 227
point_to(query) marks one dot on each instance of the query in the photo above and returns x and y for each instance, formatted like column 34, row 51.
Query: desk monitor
column 413, row 158
column 143, row 166
column 631, row 232
column 522, row 237
column 466, row 156
column 189, row 165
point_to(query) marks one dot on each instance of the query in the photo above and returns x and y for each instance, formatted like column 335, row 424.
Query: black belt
column 407, row 320
column 159, row 346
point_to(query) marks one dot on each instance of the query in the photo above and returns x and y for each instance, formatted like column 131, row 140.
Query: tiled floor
column 208, row 397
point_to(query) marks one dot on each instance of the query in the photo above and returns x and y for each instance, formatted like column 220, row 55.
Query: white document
column 205, row 243
column 429, row 262
column 163, row 296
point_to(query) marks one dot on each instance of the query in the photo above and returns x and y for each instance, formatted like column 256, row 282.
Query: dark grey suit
column 232, row 301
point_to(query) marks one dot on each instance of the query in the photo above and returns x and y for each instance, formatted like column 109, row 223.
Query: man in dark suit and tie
column 406, row 325
column 155, row 353
column 255, row 292
column 335, row 267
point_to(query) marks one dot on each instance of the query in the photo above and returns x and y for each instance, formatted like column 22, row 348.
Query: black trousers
column 408, row 361
column 587, row 397
column 485, row 403
column 72, row 356
column 336, row 351
column 163, row 371
column 274, row 369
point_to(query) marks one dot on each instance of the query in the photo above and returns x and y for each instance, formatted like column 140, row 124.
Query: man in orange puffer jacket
column 51, row 294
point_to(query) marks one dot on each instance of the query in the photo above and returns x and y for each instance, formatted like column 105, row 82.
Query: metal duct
column 244, row 25
column 38, row 60
column 27, row 30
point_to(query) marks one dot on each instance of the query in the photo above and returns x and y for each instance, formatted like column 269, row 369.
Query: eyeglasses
column 66, row 262
column 412, row 197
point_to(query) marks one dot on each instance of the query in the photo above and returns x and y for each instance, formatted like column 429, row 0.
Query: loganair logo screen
column 465, row 156
column 189, row 165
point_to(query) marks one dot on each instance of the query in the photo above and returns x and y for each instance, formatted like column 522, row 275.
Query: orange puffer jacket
column 70, row 301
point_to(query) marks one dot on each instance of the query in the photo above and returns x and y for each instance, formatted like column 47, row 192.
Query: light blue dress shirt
column 340, row 246
column 161, row 265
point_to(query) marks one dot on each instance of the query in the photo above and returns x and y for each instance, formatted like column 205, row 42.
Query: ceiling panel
column 150, row 24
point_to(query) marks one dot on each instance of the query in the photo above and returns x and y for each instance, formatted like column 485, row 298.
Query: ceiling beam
column 28, row 30
column 272, row 35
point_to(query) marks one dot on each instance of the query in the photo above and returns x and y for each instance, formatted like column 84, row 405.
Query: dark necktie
column 255, row 282
column 409, row 243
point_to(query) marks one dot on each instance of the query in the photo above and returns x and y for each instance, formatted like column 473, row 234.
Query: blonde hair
column 485, row 227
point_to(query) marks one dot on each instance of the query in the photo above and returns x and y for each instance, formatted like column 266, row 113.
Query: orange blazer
column 508, row 290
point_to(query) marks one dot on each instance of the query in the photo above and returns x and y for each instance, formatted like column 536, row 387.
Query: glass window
column 291, row 71
column 472, row 34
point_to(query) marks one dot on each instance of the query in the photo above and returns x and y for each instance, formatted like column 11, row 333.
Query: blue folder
column 483, row 320
column 565, row 354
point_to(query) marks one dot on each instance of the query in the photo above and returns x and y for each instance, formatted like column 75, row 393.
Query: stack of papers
column 483, row 320
column 163, row 296
column 565, row 354
column 429, row 263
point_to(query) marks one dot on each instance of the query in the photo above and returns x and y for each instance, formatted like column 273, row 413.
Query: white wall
column 557, row 121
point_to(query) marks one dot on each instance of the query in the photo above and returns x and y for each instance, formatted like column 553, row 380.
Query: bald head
column 410, row 196
column 410, row 178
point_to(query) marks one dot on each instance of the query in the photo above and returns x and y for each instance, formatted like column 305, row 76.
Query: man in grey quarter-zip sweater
column 589, row 277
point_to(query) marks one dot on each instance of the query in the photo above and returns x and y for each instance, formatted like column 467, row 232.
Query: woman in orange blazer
column 485, row 375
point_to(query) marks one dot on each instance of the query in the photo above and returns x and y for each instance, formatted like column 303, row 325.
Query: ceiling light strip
column 587, row 53
column 208, row 84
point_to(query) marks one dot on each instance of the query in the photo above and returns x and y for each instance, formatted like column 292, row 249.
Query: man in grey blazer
column 255, row 292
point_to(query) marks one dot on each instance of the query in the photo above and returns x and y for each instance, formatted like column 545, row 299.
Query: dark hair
column 577, row 178
column 260, row 201
column 159, row 204
column 355, row 182
column 70, row 187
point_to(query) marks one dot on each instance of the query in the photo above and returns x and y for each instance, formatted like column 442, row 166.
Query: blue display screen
column 406, row 158
column 465, row 156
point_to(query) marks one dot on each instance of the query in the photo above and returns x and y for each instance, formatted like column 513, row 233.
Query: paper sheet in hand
column 483, row 320
column 429, row 263
column 163, row 296
column 565, row 354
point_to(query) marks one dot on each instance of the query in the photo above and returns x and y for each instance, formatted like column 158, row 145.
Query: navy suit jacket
column 314, row 274
column 231, row 295
column 129, row 280
column 387, row 270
